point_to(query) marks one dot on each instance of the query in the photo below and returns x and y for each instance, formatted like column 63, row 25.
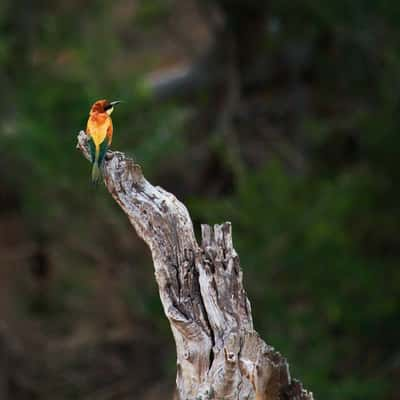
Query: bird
column 99, row 129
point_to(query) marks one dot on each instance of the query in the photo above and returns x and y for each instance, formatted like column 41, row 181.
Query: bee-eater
column 100, row 131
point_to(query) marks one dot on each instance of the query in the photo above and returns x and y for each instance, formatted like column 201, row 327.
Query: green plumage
column 97, row 154
column 103, row 151
column 96, row 174
column 92, row 148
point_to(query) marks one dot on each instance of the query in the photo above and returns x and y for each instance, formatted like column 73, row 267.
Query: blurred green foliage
column 317, row 295
column 320, row 250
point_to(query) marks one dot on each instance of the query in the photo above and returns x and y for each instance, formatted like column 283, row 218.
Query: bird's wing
column 102, row 151
column 92, row 148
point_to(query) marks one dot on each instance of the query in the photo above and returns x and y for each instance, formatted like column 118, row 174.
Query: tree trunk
column 219, row 354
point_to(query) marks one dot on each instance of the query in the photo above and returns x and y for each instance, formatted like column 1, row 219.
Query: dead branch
column 219, row 354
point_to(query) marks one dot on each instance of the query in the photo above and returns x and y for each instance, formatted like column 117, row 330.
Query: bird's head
column 103, row 106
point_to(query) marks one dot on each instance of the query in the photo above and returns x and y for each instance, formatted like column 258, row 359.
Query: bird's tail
column 96, row 173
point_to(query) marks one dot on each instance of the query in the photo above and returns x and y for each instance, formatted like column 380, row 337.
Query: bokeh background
column 280, row 116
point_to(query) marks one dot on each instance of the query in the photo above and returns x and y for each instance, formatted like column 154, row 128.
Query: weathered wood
column 219, row 354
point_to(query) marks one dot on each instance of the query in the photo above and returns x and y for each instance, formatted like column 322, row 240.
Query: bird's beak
column 114, row 103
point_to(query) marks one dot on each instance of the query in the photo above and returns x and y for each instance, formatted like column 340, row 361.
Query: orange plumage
column 100, row 131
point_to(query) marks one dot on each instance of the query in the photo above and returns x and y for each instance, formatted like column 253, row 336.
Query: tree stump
column 219, row 354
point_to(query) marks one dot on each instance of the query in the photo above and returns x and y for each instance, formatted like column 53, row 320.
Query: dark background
column 280, row 116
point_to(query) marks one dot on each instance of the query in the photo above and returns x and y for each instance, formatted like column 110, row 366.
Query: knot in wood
column 231, row 357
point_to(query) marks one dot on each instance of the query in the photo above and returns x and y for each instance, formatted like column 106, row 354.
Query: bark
column 219, row 354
